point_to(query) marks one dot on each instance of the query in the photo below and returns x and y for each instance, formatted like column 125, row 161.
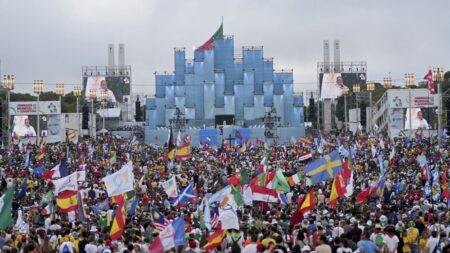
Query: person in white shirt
column 252, row 246
column 391, row 240
column 421, row 122
column 432, row 242
column 109, row 94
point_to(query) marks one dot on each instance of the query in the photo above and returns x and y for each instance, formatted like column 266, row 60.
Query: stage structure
column 108, row 91
column 334, row 78
column 223, row 89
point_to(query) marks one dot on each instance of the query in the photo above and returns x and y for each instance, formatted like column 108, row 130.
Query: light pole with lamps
column 387, row 82
column 410, row 82
column 92, row 96
column 9, row 82
column 60, row 92
column 38, row 87
column 370, row 89
column 357, row 90
column 77, row 94
column 345, row 92
column 103, row 96
column 438, row 77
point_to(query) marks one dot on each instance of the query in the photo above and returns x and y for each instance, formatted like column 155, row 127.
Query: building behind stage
column 224, row 87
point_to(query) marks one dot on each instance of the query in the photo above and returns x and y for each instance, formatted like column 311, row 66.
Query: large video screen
column 115, row 87
column 413, row 118
column 333, row 84
column 24, row 126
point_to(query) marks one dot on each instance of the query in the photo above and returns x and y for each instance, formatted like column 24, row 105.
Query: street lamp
column 77, row 94
column 387, row 82
column 60, row 91
column 438, row 77
column 357, row 90
column 103, row 96
column 345, row 93
column 92, row 96
column 38, row 87
column 370, row 89
column 9, row 83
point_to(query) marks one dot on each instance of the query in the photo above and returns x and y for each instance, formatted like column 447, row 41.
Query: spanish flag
column 67, row 201
column 337, row 190
column 118, row 224
column 215, row 239
column 183, row 152
column 308, row 202
column 170, row 147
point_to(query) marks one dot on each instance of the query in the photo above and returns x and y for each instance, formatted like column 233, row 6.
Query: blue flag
column 132, row 205
column 184, row 196
column 22, row 190
column 325, row 168
column 179, row 237
column 27, row 159
column 38, row 170
column 63, row 169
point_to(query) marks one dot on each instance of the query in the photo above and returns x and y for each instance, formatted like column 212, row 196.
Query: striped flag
column 159, row 221
column 118, row 224
column 215, row 239
column 295, row 179
column 67, row 201
column 308, row 202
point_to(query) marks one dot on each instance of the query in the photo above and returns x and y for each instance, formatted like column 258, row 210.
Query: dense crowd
column 396, row 200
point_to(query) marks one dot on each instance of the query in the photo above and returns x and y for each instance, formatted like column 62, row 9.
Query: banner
column 69, row 183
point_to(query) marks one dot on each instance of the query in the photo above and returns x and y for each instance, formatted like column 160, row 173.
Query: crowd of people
column 396, row 199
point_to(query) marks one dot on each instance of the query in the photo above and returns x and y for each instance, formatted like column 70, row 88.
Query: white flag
column 81, row 175
column 170, row 187
column 247, row 196
column 68, row 183
column 349, row 187
column 228, row 218
column 120, row 181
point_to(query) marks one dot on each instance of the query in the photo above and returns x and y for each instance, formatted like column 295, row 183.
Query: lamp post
column 370, row 89
column 345, row 92
column 38, row 87
column 387, row 82
column 77, row 94
column 410, row 82
column 103, row 96
column 9, row 82
column 92, row 96
column 357, row 90
column 438, row 77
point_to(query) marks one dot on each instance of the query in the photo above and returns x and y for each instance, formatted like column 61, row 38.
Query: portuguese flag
column 209, row 44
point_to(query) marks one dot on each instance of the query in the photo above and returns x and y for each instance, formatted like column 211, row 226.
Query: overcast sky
column 51, row 40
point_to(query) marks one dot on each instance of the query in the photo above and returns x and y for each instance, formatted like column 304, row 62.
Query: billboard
column 25, row 115
column 333, row 84
column 413, row 118
column 116, row 87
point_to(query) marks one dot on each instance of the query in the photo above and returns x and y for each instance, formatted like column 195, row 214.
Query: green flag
column 244, row 176
column 237, row 196
column 6, row 220
column 280, row 183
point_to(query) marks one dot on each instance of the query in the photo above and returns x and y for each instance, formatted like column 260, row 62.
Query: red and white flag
column 431, row 85
column 261, row 193
column 305, row 155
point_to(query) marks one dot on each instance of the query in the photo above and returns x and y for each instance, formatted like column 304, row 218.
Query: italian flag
column 209, row 44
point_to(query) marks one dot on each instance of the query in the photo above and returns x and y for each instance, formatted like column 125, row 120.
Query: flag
column 295, row 179
column 309, row 202
column 68, row 183
column 131, row 206
column 219, row 195
column 324, row 168
column 118, row 223
column 240, row 177
column 183, row 151
column 337, row 190
column 234, row 198
column 215, row 239
column 209, row 44
column 6, row 220
column 170, row 187
column 350, row 186
column 38, row 170
column 228, row 218
column 265, row 163
column 159, row 221
column 170, row 146
column 171, row 236
column 346, row 171
column 22, row 190
column 305, row 155
column 21, row 226
column 261, row 193
column 280, row 183
column 121, row 181
column 364, row 195
column 429, row 78
column 185, row 195
column 243, row 148
column 26, row 159
column 67, row 201
column 113, row 158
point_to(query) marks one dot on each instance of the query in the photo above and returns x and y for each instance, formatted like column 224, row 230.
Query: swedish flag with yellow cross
column 325, row 168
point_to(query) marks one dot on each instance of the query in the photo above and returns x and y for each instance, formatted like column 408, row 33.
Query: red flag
column 346, row 172
column 364, row 195
column 308, row 202
column 431, row 85
column 337, row 190
column 297, row 218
